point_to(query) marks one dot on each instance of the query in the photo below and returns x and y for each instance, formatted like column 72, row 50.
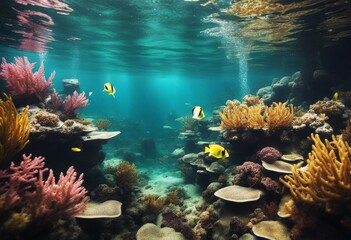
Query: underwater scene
column 175, row 119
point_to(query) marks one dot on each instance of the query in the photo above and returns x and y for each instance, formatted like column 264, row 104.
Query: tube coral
column 327, row 179
column 14, row 129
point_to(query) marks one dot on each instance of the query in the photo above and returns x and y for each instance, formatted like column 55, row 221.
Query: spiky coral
column 127, row 175
column 241, row 116
column 327, row 179
column 14, row 129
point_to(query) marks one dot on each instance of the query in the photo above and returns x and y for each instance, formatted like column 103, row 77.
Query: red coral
column 268, row 154
column 43, row 199
column 72, row 103
column 21, row 80
column 250, row 173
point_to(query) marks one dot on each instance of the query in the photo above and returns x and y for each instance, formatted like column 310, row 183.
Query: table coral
column 327, row 179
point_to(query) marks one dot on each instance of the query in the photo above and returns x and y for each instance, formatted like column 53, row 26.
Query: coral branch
column 327, row 179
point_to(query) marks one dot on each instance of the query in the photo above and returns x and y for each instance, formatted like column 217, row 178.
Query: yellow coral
column 279, row 115
column 327, row 179
column 127, row 175
column 241, row 116
column 14, row 129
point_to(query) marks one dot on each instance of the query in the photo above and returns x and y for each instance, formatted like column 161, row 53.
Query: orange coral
column 327, row 179
column 127, row 175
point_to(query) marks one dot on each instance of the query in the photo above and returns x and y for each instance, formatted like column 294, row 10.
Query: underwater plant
column 14, row 129
column 126, row 175
column 21, row 80
column 326, row 181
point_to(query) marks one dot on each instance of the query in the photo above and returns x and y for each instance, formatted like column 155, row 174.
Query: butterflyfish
column 110, row 89
column 217, row 151
column 336, row 96
column 76, row 149
column 198, row 112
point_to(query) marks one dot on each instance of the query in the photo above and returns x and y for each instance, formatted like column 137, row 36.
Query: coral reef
column 126, row 175
column 14, row 129
column 326, row 180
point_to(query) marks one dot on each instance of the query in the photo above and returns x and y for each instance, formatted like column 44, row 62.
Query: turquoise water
column 160, row 55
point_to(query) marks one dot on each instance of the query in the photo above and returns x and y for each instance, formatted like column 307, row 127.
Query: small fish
column 110, row 89
column 217, row 151
column 336, row 96
column 198, row 112
column 90, row 94
column 76, row 149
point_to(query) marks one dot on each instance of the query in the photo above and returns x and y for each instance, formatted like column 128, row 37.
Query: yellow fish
column 336, row 96
column 110, row 89
column 76, row 149
column 198, row 112
column 217, row 151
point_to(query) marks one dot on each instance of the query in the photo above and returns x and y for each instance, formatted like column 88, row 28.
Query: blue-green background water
column 165, row 56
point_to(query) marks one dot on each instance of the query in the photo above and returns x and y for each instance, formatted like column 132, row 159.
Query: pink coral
column 21, row 80
column 44, row 199
column 56, row 101
column 72, row 103
column 268, row 154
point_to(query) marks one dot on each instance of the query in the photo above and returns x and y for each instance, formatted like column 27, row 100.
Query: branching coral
column 21, row 80
column 241, row 116
column 127, row 175
column 279, row 115
column 23, row 188
column 327, row 179
column 14, row 129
